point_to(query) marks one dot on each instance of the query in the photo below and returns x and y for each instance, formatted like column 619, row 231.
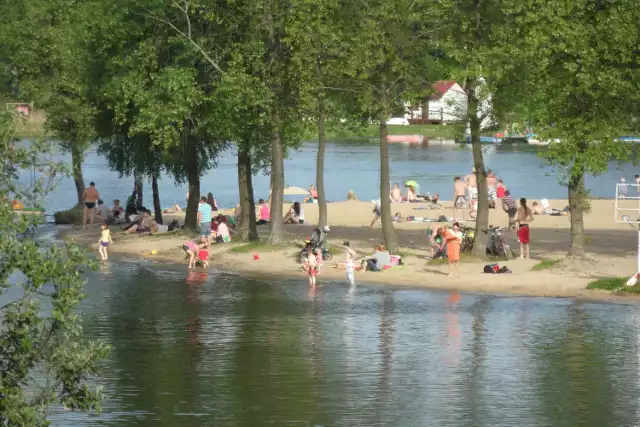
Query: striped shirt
column 509, row 202
column 205, row 213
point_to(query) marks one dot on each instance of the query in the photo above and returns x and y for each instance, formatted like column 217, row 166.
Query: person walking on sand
column 492, row 182
column 90, row 197
column 459, row 193
column 105, row 239
column 510, row 207
column 453, row 237
column 525, row 216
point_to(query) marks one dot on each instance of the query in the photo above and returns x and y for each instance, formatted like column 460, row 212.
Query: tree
column 43, row 359
column 394, row 66
column 584, row 82
column 49, row 67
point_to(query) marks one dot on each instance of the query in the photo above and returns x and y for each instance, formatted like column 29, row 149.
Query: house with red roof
column 447, row 103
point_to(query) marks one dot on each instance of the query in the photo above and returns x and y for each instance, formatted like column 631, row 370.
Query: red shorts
column 523, row 234
column 313, row 272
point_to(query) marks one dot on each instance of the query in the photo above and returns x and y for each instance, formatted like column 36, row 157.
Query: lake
column 210, row 349
column 354, row 166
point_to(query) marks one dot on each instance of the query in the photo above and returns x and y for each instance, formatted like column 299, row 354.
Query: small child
column 310, row 267
column 203, row 256
column 105, row 239
column 319, row 260
column 351, row 272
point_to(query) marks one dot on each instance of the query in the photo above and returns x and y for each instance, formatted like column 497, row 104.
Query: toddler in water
column 105, row 239
column 203, row 256
column 349, row 265
column 310, row 267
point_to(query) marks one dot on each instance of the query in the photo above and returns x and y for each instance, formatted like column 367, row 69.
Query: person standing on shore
column 453, row 237
column 459, row 191
column 204, row 219
column 396, row 193
column 510, row 207
column 91, row 197
column 500, row 189
column 472, row 185
column 491, row 184
column 525, row 216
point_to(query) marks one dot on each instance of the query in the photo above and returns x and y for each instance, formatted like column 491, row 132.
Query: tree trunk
column 193, row 178
column 248, row 229
column 138, row 186
column 482, row 218
column 389, row 233
column 576, row 205
column 156, row 199
column 78, row 178
column 277, row 172
column 322, row 202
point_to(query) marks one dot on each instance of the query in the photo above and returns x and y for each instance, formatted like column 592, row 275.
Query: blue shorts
column 205, row 229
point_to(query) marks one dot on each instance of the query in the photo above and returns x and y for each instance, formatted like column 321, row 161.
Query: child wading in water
column 349, row 265
column 105, row 239
column 310, row 267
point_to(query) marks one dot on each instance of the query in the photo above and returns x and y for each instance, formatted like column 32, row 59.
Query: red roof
column 441, row 87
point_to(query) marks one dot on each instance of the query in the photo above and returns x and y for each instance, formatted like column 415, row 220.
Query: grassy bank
column 450, row 131
column 614, row 284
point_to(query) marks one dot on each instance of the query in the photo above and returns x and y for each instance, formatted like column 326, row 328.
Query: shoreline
column 611, row 247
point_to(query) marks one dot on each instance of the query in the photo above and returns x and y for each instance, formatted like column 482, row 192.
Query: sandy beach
column 611, row 249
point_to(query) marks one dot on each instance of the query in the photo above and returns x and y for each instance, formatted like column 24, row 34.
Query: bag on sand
column 496, row 269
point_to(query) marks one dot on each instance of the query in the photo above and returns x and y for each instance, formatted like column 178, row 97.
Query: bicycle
column 496, row 245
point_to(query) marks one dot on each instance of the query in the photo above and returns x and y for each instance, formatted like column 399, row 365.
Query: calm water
column 216, row 350
column 356, row 167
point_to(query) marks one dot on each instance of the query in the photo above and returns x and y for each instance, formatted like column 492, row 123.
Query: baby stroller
column 317, row 241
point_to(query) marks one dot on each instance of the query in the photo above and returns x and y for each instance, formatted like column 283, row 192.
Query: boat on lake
column 405, row 139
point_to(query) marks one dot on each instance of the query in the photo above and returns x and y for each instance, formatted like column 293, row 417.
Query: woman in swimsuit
column 90, row 197
column 525, row 216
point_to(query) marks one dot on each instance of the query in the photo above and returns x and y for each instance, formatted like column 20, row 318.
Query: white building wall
column 453, row 106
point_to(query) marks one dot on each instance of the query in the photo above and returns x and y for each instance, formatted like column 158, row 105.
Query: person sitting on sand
column 142, row 225
column 264, row 213
column 412, row 196
column 295, row 214
column 173, row 209
column 380, row 258
column 397, row 217
column 396, row 193
column 117, row 213
column 222, row 234
column 102, row 212
column 351, row 195
column 313, row 195
column 537, row 209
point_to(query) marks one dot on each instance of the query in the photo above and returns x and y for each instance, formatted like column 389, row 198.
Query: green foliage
column 44, row 361
column 614, row 284
column 546, row 264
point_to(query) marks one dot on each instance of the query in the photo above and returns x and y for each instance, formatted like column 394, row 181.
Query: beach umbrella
column 411, row 184
column 295, row 191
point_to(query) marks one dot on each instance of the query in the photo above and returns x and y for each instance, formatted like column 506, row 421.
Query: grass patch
column 260, row 246
column 546, row 264
column 614, row 284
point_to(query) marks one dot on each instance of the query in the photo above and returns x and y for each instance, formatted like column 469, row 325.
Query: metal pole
column 638, row 270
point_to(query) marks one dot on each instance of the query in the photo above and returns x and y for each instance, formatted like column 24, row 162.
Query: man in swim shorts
column 91, row 197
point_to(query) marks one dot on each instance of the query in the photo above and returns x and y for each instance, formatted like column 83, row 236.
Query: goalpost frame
column 625, row 219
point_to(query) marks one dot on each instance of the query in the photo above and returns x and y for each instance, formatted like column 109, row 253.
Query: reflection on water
column 200, row 349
